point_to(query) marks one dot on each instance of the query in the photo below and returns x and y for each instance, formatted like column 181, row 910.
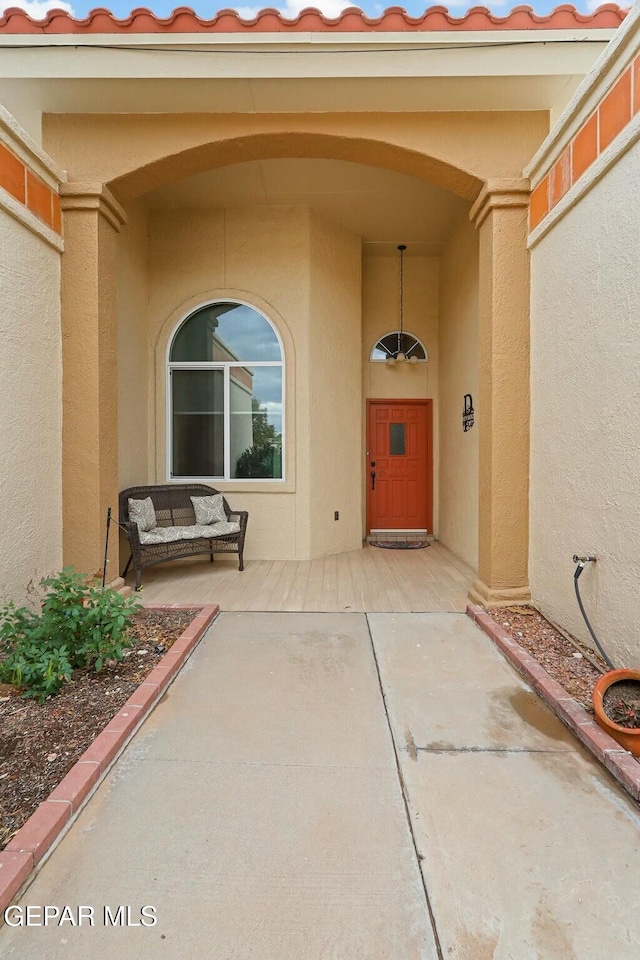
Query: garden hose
column 580, row 561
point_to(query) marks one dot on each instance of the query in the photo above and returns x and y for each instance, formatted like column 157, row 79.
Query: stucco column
column 92, row 219
column 500, row 215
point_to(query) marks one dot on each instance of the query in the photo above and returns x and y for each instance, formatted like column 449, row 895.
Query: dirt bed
column 39, row 743
column 555, row 653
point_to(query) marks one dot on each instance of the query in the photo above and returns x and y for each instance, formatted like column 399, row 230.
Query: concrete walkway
column 276, row 806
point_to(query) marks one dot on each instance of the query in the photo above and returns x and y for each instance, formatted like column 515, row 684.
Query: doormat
column 400, row 544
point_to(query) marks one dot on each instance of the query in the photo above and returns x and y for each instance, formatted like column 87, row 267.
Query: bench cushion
column 193, row 532
column 209, row 510
column 223, row 528
column 143, row 513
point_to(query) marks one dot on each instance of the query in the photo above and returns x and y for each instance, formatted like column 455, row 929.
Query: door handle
column 373, row 479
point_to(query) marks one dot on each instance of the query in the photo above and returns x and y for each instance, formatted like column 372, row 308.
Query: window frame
column 225, row 366
column 394, row 333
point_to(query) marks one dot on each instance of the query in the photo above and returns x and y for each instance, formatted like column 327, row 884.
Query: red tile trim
column 56, row 213
column 352, row 20
column 614, row 110
column 618, row 105
column 39, row 198
column 54, row 815
column 29, row 189
column 584, row 147
column 560, row 180
column 539, row 203
column 617, row 761
column 12, row 174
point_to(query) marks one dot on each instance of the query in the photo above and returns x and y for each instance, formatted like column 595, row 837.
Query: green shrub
column 259, row 462
column 80, row 625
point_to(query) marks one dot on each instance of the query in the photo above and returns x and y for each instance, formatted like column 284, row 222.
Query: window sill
column 241, row 486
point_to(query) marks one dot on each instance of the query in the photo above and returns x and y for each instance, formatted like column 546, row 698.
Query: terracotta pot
column 629, row 739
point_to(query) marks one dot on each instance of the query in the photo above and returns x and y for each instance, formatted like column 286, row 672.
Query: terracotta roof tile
column 353, row 20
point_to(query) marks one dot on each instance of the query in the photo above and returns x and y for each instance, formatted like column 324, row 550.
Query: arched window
column 397, row 342
column 225, row 393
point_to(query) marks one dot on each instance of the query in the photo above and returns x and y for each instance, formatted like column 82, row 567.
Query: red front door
column 399, row 465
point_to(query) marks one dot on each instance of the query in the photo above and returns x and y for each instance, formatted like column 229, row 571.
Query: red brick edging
column 618, row 762
column 55, row 814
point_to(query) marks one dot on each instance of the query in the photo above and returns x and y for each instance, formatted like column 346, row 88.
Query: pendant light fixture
column 399, row 355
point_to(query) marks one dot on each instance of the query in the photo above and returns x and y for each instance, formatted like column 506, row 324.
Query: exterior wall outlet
column 336, row 515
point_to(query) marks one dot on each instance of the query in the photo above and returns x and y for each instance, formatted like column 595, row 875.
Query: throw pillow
column 209, row 509
column 142, row 512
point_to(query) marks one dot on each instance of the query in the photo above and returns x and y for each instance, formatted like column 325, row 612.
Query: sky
column 289, row 8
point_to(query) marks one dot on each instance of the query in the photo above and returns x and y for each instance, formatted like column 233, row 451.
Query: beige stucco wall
column 380, row 315
column 585, row 429
column 458, row 347
column 335, row 381
column 281, row 260
column 134, row 360
column 136, row 153
column 256, row 254
column 31, row 405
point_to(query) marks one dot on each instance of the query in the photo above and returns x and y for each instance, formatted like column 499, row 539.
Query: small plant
column 621, row 703
column 624, row 715
column 80, row 625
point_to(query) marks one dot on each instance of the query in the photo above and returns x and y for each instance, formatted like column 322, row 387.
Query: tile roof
column 353, row 20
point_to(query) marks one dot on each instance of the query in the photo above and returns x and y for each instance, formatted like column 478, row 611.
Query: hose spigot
column 581, row 562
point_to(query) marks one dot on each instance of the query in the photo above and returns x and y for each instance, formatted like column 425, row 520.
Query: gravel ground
column 39, row 743
column 554, row 652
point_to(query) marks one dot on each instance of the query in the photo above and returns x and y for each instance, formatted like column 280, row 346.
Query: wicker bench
column 174, row 509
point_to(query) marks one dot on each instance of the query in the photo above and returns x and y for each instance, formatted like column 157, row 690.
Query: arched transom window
column 226, row 411
column 396, row 343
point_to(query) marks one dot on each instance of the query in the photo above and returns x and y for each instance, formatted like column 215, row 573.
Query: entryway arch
column 159, row 150
column 215, row 153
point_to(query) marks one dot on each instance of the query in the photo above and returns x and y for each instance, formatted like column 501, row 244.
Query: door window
column 397, row 437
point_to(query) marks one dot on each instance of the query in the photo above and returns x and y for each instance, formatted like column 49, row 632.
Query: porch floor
column 370, row 580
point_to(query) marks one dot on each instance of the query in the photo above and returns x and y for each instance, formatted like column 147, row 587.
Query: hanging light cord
column 402, row 247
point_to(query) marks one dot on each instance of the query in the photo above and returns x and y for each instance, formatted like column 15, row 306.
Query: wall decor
column 467, row 413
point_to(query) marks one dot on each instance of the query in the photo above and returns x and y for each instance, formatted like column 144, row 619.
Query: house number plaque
column 467, row 413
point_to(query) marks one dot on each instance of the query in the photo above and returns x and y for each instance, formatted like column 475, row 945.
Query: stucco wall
column 336, row 388
column 31, row 405
column 281, row 260
column 259, row 254
column 137, row 153
column 458, row 347
column 380, row 309
column 585, row 429
column 133, row 350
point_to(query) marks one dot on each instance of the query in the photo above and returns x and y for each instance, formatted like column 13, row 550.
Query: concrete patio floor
column 348, row 787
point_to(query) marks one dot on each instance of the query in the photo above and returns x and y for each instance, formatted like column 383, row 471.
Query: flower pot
column 627, row 738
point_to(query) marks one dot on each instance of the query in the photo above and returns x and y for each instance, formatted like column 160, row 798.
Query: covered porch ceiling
column 383, row 207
